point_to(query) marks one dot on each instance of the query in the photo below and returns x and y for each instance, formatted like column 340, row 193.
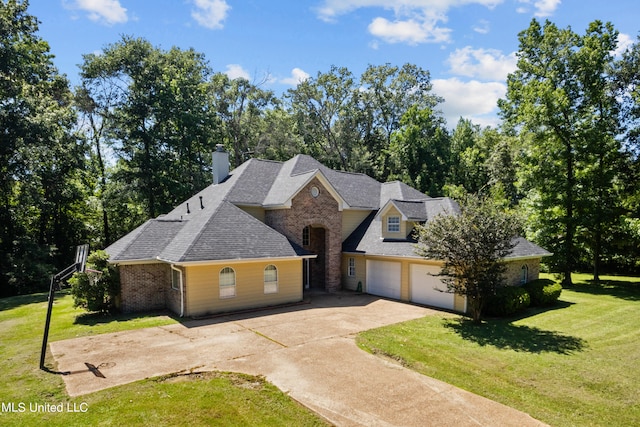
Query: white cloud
column 107, row 11
column 210, row 13
column 408, row 21
column 543, row 8
column 473, row 100
column 546, row 7
column 235, row 71
column 410, row 31
column 485, row 64
column 483, row 27
column 624, row 42
column 297, row 76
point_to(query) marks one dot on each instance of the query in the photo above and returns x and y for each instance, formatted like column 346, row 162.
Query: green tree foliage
column 98, row 288
column 560, row 101
column 241, row 107
column 157, row 112
column 42, row 206
column 472, row 245
column 419, row 151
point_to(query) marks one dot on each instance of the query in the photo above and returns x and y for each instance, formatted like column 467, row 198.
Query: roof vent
column 220, row 164
column 201, row 204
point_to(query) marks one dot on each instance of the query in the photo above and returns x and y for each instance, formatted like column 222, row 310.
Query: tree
column 156, row 111
column 472, row 245
column 324, row 111
column 385, row 94
column 241, row 107
column 97, row 289
column 41, row 159
column 419, row 151
column 559, row 100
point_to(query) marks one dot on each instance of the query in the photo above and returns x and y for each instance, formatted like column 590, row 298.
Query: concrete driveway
column 308, row 351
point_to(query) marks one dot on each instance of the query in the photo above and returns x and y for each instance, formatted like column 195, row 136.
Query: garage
column 427, row 289
column 383, row 278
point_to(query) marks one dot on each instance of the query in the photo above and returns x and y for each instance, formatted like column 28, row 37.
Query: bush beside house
column 98, row 287
column 511, row 299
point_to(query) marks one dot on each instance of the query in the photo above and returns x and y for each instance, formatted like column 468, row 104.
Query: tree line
column 134, row 138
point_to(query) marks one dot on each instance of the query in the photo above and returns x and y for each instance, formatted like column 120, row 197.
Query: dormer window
column 393, row 224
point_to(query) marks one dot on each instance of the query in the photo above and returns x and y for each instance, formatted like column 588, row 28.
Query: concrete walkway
column 307, row 351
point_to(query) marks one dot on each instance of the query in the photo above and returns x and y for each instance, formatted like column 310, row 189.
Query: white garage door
column 383, row 278
column 427, row 288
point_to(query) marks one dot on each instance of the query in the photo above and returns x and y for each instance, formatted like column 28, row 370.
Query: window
column 352, row 267
column 176, row 278
column 305, row 236
column 393, row 224
column 227, row 283
column 524, row 274
column 270, row 279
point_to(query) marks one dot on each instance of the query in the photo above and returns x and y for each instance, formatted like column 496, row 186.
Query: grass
column 574, row 364
column 197, row 399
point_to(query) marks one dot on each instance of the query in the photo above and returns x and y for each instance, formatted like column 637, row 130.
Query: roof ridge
column 202, row 227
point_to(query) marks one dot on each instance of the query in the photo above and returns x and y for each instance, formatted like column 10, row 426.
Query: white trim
column 342, row 204
column 237, row 261
column 173, row 267
column 389, row 223
column 387, row 206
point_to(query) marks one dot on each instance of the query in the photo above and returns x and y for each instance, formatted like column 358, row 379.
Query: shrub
column 97, row 290
column 507, row 300
column 543, row 292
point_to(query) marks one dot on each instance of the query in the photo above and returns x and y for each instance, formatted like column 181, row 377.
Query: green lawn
column 202, row 399
column 575, row 364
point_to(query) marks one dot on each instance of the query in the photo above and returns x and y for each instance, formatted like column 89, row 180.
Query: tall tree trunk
column 569, row 221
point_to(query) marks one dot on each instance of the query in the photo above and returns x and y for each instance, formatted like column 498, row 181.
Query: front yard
column 31, row 397
column 574, row 364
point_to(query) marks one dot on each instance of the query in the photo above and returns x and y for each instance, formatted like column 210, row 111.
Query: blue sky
column 468, row 46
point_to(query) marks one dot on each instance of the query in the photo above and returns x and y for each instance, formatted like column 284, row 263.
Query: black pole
column 48, row 322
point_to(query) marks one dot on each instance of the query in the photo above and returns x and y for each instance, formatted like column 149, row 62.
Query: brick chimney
column 220, row 164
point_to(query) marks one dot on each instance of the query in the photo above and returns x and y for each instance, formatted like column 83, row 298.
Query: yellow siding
column 392, row 211
column 255, row 211
column 203, row 292
column 351, row 219
column 351, row 283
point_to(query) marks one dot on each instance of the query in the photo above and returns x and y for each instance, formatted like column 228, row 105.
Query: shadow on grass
column 97, row 318
column 624, row 289
column 503, row 334
column 20, row 300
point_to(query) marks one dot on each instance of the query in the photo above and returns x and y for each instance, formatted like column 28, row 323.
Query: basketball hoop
column 93, row 276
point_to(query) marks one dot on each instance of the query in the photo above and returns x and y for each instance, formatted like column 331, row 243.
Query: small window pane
column 270, row 279
column 227, row 282
column 352, row 267
column 305, row 236
column 176, row 278
column 393, row 224
column 524, row 277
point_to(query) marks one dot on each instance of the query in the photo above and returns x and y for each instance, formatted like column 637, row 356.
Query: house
column 265, row 231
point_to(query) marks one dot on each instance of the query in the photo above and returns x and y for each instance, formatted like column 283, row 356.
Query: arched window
column 227, row 283
column 524, row 274
column 270, row 279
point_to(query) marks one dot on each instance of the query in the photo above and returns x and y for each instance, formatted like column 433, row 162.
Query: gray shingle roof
column 147, row 241
column 367, row 237
column 399, row 191
column 211, row 226
column 230, row 233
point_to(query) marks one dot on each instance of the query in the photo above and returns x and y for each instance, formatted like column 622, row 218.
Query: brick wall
column 317, row 212
column 513, row 275
column 143, row 286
